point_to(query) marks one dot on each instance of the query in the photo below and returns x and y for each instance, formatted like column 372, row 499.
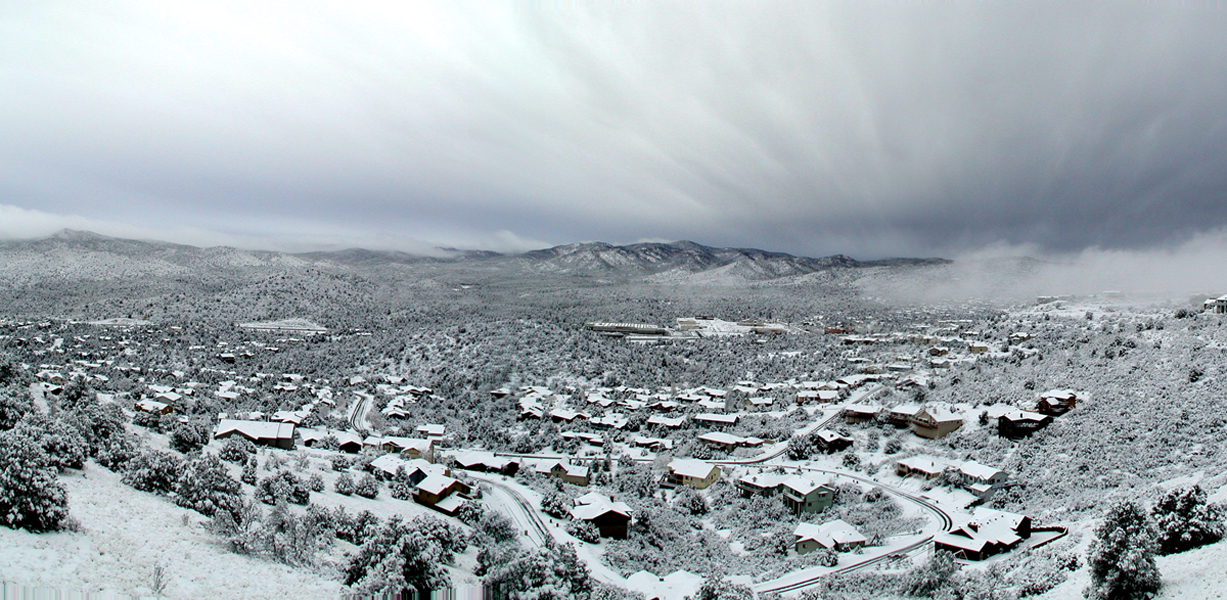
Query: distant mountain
column 89, row 255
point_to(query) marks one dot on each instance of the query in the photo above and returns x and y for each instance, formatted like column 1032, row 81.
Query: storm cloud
column 867, row 128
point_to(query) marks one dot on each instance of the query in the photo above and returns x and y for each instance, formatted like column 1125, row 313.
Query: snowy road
column 357, row 414
column 509, row 502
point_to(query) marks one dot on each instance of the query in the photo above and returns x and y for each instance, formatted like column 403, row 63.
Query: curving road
column 357, row 414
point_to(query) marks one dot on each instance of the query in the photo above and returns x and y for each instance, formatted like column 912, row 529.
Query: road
column 357, row 414
column 517, row 508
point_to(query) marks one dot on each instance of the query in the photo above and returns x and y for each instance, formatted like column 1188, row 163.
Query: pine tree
column 1121, row 556
column 30, row 493
column 248, row 475
column 205, row 485
column 1185, row 520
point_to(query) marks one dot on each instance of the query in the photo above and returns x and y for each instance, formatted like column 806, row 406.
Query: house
column 560, row 415
column 153, row 406
column 1021, row 423
column 759, row 484
column 389, row 466
column 920, row 466
column 409, row 447
column 835, row 535
column 901, row 416
column 935, row 422
column 692, row 473
column 278, row 435
column 610, row 421
column 611, row 518
column 347, row 440
column 807, row 495
column 1057, row 402
column 861, row 413
column 663, row 421
column 829, row 441
column 981, row 480
column 654, row 444
column 485, row 462
column 431, row 430
column 572, row 474
column 986, row 533
column 716, row 420
column 441, row 493
column 728, row 442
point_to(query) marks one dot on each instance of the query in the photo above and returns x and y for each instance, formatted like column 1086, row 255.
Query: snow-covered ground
column 125, row 533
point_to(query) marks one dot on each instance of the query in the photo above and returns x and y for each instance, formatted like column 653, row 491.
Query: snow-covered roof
column 715, row 418
column 829, row 535
column 804, row 485
column 696, row 469
column 590, row 511
column 666, row 421
column 924, row 464
column 256, row 430
column 436, row 484
column 431, row 429
column 979, row 472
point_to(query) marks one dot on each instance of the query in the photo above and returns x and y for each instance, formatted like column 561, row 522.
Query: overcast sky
column 864, row 128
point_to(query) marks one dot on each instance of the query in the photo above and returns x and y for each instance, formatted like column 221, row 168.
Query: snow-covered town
column 891, row 445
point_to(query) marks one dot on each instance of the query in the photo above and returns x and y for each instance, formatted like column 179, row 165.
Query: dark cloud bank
column 865, row 128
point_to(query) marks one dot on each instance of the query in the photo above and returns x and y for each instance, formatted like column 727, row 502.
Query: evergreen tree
column 31, row 496
column 205, row 485
column 1121, row 556
column 1185, row 520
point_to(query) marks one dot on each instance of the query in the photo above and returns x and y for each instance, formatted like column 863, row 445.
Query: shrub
column 153, row 471
column 315, row 482
column 367, row 487
column 249, row 472
column 283, row 486
column 584, row 531
column 690, row 502
column 556, row 505
column 340, row 463
column 188, row 437
column 1185, row 521
column 1121, row 557
column 405, row 556
column 63, row 444
column 470, row 512
column 116, row 453
column 14, row 404
column 205, row 486
column 147, row 419
column 933, row 576
column 31, row 496
column 237, row 449
column 345, row 485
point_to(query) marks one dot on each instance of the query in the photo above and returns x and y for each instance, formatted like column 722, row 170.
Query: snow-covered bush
column 345, row 485
column 690, row 501
column 584, row 531
column 283, row 486
column 367, row 486
column 496, row 527
column 551, row 572
column 1185, row 520
column 237, row 449
column 405, row 556
column 1121, row 556
column 340, row 463
column 153, row 471
column 556, row 505
column 62, row 442
column 470, row 512
column 205, row 485
column 315, row 482
column 248, row 475
column 935, row 575
column 116, row 452
column 14, row 404
column 189, row 437
column 31, row 496
column 716, row 588
column 357, row 529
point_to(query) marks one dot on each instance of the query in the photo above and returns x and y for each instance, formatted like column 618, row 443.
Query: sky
column 864, row 128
